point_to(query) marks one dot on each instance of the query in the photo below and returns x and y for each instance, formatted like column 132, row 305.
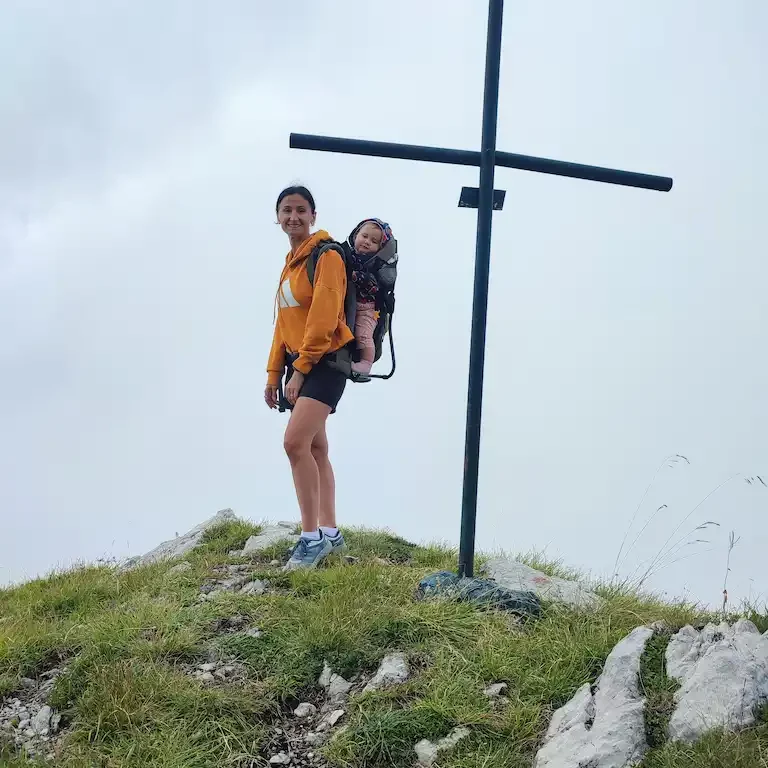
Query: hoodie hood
column 306, row 247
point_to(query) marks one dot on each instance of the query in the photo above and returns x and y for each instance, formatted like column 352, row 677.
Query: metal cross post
column 485, row 199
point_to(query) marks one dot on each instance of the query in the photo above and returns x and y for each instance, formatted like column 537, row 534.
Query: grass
column 126, row 639
column 717, row 750
column 658, row 689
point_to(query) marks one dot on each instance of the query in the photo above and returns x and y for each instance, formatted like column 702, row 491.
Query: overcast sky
column 142, row 146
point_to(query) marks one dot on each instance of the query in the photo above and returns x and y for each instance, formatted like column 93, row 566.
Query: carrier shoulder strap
column 350, row 304
column 317, row 252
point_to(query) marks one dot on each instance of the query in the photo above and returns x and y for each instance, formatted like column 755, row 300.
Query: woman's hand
column 270, row 396
column 293, row 387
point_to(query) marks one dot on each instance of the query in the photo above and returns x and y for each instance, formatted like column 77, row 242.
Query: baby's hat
column 382, row 225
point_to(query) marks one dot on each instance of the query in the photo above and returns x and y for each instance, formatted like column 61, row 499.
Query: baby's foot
column 363, row 367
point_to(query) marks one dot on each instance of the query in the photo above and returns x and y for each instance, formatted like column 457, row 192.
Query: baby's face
column 368, row 239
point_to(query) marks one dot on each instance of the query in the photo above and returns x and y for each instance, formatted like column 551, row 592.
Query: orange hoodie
column 309, row 322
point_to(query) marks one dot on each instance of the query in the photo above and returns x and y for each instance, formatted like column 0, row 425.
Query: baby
column 366, row 240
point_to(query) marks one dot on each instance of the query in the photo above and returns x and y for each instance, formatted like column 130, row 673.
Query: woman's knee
column 296, row 445
column 306, row 426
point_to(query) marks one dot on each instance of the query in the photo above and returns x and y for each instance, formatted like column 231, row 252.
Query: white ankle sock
column 332, row 532
column 311, row 535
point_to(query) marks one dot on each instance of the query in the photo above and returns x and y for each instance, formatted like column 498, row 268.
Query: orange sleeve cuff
column 273, row 378
column 303, row 365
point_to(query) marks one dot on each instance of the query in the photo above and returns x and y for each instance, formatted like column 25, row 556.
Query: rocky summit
column 203, row 653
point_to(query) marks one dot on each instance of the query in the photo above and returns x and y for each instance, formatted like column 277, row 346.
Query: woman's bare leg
column 307, row 420
column 327, row 482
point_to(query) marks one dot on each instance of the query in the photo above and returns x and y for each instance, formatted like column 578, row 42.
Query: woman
column 310, row 324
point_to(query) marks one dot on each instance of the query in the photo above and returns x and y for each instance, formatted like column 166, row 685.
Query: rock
column 510, row 574
column 380, row 561
column 280, row 759
column 604, row 729
column 330, row 720
column 325, row 676
column 688, row 646
column 209, row 667
column 275, row 562
column 41, row 722
column 305, row 710
column 254, row 632
column 427, row 751
column 181, row 544
column 207, row 677
column 235, row 553
column 232, row 583
column 335, row 685
column 392, row 671
column 723, row 672
column 485, row 593
column 179, row 568
column 495, row 690
column 270, row 535
column 314, row 739
column 254, row 587
column 338, row 688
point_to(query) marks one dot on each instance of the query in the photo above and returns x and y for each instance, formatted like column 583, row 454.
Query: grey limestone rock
column 427, row 751
column 723, row 672
column 604, row 728
column 180, row 545
column 392, row 670
column 520, row 577
column 271, row 534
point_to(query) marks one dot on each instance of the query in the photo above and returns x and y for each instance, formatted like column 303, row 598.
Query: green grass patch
column 219, row 540
column 658, row 689
column 370, row 544
column 386, row 736
column 126, row 640
column 747, row 749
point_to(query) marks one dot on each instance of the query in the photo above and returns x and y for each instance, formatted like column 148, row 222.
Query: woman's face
column 295, row 216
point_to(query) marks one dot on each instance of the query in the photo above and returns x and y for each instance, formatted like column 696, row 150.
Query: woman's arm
column 327, row 306
column 276, row 361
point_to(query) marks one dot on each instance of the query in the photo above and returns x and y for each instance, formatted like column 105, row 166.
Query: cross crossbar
column 468, row 157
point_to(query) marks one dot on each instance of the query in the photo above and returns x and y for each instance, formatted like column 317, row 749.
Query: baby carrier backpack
column 383, row 266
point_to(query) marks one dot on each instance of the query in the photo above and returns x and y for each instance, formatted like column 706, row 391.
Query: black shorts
column 322, row 383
